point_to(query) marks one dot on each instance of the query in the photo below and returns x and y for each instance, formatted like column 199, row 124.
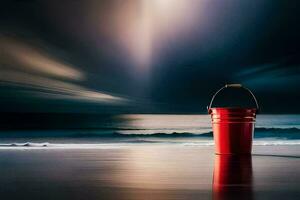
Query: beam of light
column 142, row 26
column 39, row 75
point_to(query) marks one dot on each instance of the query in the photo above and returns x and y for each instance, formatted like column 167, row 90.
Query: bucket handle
column 235, row 85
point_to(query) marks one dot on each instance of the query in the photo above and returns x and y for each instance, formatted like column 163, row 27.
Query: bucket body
column 233, row 129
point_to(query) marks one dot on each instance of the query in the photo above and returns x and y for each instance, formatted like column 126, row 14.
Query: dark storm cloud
column 164, row 57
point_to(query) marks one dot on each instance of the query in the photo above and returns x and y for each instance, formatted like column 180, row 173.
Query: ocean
column 139, row 129
column 132, row 157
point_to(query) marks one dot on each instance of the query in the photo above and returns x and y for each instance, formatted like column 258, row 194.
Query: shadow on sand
column 279, row 156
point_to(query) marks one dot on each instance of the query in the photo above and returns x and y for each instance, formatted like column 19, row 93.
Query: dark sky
column 166, row 56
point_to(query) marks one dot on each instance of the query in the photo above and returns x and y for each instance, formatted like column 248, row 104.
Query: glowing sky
column 142, row 26
column 146, row 55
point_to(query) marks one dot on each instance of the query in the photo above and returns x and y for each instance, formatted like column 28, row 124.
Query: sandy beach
column 149, row 172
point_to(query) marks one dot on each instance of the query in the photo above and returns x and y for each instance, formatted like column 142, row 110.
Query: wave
column 164, row 135
column 120, row 145
column 282, row 133
column 29, row 145
column 26, row 144
column 260, row 132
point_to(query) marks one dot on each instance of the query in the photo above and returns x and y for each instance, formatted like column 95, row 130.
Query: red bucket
column 233, row 128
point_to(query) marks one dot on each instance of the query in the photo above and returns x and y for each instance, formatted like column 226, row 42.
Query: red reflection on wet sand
column 232, row 178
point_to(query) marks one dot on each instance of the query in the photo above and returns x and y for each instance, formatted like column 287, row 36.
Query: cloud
column 40, row 75
column 284, row 73
column 22, row 56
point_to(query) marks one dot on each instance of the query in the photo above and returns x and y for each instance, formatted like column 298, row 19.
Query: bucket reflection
column 232, row 178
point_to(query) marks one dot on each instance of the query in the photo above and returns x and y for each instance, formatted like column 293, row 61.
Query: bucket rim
column 233, row 109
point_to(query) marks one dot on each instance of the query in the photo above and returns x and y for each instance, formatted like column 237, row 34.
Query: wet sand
column 149, row 172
